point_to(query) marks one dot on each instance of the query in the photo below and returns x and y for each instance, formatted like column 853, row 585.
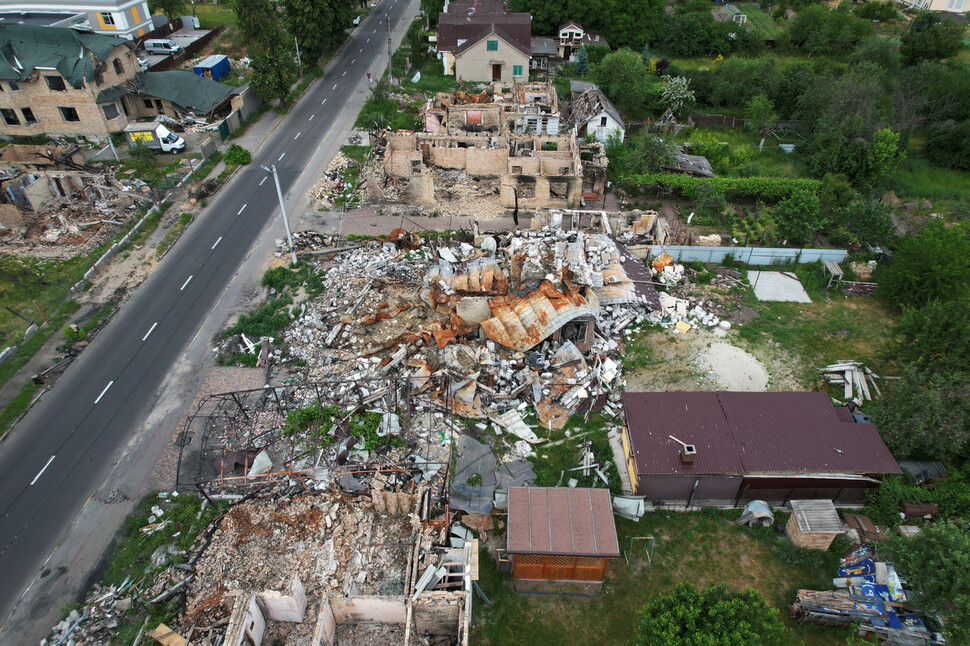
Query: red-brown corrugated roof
column 561, row 520
column 739, row 433
column 468, row 20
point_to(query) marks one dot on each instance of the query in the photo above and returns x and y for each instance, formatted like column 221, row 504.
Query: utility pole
column 299, row 61
column 286, row 222
column 390, row 56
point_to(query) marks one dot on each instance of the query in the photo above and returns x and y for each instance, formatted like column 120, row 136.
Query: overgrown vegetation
column 287, row 282
column 129, row 557
column 553, row 464
column 173, row 234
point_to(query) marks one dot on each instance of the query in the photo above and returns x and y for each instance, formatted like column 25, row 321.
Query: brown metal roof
column 500, row 33
column 750, row 433
column 468, row 20
column 561, row 520
column 638, row 272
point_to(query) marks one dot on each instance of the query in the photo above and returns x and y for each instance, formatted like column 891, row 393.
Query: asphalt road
column 58, row 454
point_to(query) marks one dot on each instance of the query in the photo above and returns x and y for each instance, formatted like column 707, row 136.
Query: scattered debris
column 854, row 377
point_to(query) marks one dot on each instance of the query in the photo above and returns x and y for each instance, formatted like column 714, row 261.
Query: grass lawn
column 916, row 178
column 552, row 462
column 761, row 20
column 831, row 327
column 702, row 548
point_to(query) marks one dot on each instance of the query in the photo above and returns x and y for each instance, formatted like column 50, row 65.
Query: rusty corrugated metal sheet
column 522, row 322
column 476, row 277
column 750, row 433
column 561, row 520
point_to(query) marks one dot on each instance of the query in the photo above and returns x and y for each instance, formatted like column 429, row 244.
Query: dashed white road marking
column 352, row 61
column 185, row 284
column 281, row 157
column 261, row 181
column 297, row 136
column 344, row 74
column 155, row 324
column 311, row 119
column 334, row 86
column 324, row 101
column 217, row 242
column 103, row 392
column 242, row 208
column 41, row 472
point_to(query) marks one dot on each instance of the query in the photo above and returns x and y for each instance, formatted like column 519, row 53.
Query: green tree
column 676, row 95
column 760, row 113
column 271, row 47
column 310, row 22
column 934, row 338
column 931, row 266
column 274, row 71
column 948, row 145
column 690, row 617
column 863, row 221
column 936, row 563
column 931, row 38
column 169, row 8
column 582, row 61
column 886, row 153
column 624, row 78
column 798, row 217
column 656, row 154
column 819, row 30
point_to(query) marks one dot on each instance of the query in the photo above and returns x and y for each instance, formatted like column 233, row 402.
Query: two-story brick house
column 58, row 81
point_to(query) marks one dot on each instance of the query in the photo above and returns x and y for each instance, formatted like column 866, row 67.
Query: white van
column 161, row 46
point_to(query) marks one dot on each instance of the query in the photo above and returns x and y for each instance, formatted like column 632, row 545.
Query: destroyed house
column 466, row 20
column 502, row 107
column 560, row 539
column 32, row 174
column 174, row 93
column 572, row 36
column 728, row 448
column 592, row 114
column 53, row 81
column 534, row 170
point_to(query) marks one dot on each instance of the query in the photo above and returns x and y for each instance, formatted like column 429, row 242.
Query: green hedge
column 754, row 189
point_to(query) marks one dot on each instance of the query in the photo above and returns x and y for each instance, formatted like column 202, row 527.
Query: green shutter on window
column 516, row 70
column 492, row 46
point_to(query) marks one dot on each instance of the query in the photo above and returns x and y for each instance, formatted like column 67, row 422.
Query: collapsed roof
column 76, row 55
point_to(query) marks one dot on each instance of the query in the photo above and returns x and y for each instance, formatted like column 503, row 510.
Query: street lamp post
column 286, row 222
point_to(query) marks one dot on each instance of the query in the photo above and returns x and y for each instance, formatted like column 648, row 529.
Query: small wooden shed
column 814, row 524
column 560, row 539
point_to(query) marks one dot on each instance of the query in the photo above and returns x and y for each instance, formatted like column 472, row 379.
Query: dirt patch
column 733, row 368
column 700, row 360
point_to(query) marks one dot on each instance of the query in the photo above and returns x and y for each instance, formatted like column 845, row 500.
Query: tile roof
column 465, row 21
column 497, row 31
column 750, row 433
column 185, row 89
column 561, row 520
column 76, row 55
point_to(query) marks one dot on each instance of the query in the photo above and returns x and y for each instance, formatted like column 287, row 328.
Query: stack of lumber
column 854, row 377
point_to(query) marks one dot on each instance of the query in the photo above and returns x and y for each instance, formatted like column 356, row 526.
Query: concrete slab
column 777, row 286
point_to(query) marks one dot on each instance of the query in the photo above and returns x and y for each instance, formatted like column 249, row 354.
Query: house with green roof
column 59, row 81
column 51, row 79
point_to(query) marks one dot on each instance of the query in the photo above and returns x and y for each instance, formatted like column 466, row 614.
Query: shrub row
column 739, row 189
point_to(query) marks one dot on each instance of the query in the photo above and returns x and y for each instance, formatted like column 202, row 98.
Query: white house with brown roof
column 493, row 55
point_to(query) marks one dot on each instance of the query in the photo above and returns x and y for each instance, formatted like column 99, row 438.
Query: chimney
column 687, row 452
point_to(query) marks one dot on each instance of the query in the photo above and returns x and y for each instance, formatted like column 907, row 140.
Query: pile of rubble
column 338, row 543
column 331, row 185
column 94, row 622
